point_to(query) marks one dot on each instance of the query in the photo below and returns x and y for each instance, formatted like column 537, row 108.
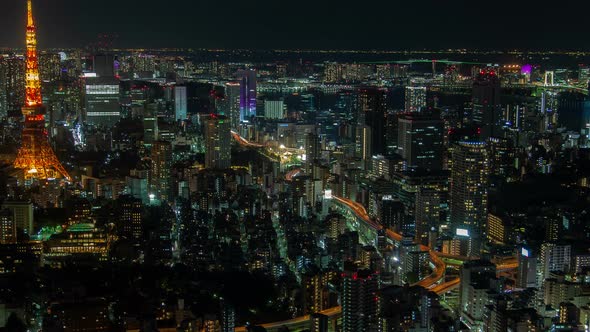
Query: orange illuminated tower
column 35, row 156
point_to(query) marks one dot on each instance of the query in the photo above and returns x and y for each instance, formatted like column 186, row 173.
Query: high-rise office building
column 14, row 84
column 247, row 94
column 232, row 103
column 228, row 316
column 49, row 67
column 414, row 265
column 312, row 152
column 150, row 127
column 180, row 103
column 104, row 65
column 161, row 177
column 487, row 110
column 274, row 109
column 332, row 72
column 217, row 142
column 7, row 227
column 420, row 140
column 554, row 257
column 359, row 304
column 22, row 214
column 527, row 269
column 469, row 192
column 475, row 290
column 130, row 214
column 364, row 142
column 428, row 211
column 392, row 214
column 137, row 185
column 372, row 112
column 3, row 92
column 102, row 101
column 415, row 98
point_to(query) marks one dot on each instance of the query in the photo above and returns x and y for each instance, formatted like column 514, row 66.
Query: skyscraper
column 359, row 301
column 232, row 103
column 554, row 257
column 372, row 112
column 475, row 291
column 161, row 179
column 104, row 65
column 364, row 139
column 526, row 276
column 13, row 81
column 312, row 152
column 274, row 109
column 22, row 214
column 101, row 93
column 420, row 140
column 180, row 103
column 428, row 202
column 247, row 94
column 469, row 193
column 102, row 101
column 130, row 213
column 7, row 227
column 415, row 98
column 217, row 142
column 150, row 127
column 486, row 104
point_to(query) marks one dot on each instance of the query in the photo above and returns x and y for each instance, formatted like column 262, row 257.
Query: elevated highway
column 435, row 281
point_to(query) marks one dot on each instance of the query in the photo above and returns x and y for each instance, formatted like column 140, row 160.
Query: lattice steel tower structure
column 35, row 156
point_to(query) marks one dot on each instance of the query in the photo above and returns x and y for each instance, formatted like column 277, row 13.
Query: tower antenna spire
column 30, row 21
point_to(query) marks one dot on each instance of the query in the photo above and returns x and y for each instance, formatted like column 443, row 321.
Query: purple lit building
column 247, row 94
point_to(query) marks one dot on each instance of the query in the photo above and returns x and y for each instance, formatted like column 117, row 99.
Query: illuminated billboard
column 462, row 232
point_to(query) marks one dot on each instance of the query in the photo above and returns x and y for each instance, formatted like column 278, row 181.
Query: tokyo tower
column 35, row 156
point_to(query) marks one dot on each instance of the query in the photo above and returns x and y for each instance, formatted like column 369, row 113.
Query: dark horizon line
column 329, row 50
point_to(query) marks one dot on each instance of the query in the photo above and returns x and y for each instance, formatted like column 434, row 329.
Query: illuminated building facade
column 495, row 229
column 359, row 301
column 247, row 94
column 475, row 292
column 420, row 140
column 372, row 112
column 428, row 211
column 554, row 257
column 217, row 142
column 13, row 84
column 79, row 240
column 232, row 103
column 102, row 101
column 274, row 109
column 415, row 98
column 364, row 144
column 469, row 193
column 161, row 185
column 22, row 212
column 130, row 211
column 7, row 227
column 180, row 103
column 35, row 156
column 49, row 67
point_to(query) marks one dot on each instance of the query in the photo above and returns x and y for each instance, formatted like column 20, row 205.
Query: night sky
column 265, row 24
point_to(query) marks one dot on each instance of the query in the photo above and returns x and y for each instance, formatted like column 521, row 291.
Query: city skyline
column 273, row 191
